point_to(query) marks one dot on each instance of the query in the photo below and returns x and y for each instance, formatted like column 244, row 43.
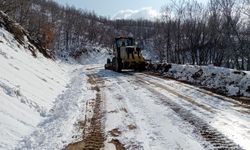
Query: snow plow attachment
column 126, row 56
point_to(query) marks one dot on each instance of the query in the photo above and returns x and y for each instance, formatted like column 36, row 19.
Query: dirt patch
column 115, row 132
column 132, row 127
column 244, row 100
column 91, row 79
column 93, row 134
column 96, row 88
column 162, row 67
column 239, row 72
column 90, row 68
column 124, row 110
column 248, row 89
column 197, row 74
column 113, row 111
column 81, row 124
column 118, row 144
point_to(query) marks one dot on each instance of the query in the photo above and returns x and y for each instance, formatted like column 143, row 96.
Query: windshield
column 125, row 42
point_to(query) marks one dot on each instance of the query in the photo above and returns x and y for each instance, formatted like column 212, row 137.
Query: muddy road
column 93, row 135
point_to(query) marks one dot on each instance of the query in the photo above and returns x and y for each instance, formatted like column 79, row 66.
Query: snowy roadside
column 222, row 80
column 40, row 98
column 61, row 127
column 28, row 88
column 42, row 101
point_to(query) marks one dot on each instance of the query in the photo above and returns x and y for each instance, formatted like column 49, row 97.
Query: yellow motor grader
column 126, row 55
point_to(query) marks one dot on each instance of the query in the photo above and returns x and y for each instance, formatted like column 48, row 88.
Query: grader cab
column 126, row 55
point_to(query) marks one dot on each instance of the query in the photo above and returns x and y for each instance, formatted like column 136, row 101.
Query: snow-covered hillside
column 95, row 55
column 41, row 99
column 28, row 88
column 144, row 13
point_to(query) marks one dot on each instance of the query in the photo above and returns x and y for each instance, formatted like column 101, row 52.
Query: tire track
column 201, row 128
column 184, row 97
column 237, row 103
column 94, row 135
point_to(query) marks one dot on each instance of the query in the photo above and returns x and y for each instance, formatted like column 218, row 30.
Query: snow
column 95, row 55
column 57, row 129
column 135, row 113
column 144, row 13
column 227, row 81
column 28, row 89
column 224, row 114
column 43, row 103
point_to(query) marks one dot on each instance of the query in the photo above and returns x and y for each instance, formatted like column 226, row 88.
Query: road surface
column 137, row 111
column 140, row 111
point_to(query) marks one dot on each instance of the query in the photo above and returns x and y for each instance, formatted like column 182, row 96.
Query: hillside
column 191, row 32
column 40, row 96
column 29, row 84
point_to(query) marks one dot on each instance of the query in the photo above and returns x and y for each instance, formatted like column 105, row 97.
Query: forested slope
column 188, row 32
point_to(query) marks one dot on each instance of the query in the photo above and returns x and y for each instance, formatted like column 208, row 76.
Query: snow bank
column 62, row 125
column 28, row 88
column 223, row 80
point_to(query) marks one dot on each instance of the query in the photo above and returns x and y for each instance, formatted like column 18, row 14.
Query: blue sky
column 111, row 7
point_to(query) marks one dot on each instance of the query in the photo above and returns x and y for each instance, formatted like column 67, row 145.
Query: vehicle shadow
column 112, row 74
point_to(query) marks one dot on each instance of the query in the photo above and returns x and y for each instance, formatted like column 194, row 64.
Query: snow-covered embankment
column 29, row 85
column 223, row 80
